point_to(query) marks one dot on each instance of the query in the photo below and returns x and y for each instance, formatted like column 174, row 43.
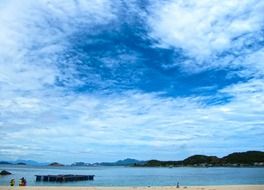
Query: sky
column 104, row 80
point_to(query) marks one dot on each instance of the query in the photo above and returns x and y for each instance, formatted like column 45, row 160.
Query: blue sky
column 104, row 80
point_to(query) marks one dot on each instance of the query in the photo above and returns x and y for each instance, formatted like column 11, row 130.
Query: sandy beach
column 224, row 187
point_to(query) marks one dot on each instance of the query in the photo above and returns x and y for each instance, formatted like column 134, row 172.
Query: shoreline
column 219, row 187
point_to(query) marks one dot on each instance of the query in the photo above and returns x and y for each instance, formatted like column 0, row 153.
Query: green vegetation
column 249, row 157
column 200, row 159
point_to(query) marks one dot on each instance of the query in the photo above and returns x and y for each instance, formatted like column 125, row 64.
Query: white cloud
column 206, row 29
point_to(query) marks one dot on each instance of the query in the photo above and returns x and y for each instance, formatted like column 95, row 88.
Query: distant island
column 55, row 164
column 5, row 163
column 23, row 162
column 9, row 163
column 238, row 159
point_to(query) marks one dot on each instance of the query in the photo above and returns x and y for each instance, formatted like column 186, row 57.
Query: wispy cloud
column 75, row 79
column 211, row 33
column 142, row 121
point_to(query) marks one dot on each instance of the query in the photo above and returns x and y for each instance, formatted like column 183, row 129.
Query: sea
column 138, row 176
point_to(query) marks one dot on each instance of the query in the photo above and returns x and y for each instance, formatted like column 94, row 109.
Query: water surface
column 129, row 176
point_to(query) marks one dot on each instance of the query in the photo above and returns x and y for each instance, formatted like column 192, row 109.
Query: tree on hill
column 248, row 157
column 154, row 163
column 201, row 159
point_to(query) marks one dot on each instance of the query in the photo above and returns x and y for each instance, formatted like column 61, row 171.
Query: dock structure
column 64, row 178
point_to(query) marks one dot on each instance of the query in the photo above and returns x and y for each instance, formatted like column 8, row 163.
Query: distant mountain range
column 125, row 162
column 238, row 159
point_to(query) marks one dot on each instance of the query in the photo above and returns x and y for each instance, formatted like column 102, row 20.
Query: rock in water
column 4, row 172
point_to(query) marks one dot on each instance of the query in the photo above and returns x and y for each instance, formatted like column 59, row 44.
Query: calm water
column 127, row 176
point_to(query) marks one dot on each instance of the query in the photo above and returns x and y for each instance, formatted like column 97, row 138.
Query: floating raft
column 64, row 178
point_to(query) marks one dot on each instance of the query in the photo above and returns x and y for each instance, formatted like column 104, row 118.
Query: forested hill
column 249, row 158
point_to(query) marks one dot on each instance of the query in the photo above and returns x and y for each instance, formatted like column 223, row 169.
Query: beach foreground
column 224, row 187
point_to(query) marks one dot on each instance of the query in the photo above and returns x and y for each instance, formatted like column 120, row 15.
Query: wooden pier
column 63, row 178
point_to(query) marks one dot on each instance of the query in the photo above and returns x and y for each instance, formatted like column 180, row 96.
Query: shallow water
column 129, row 176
